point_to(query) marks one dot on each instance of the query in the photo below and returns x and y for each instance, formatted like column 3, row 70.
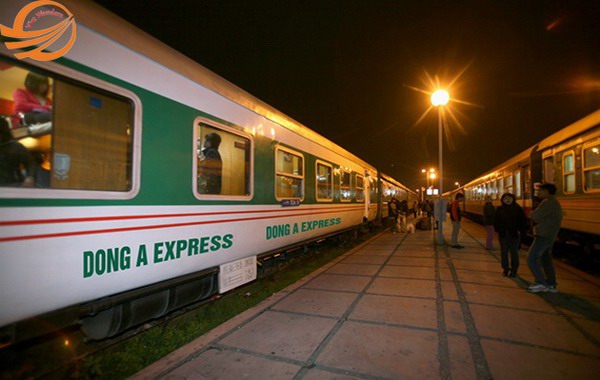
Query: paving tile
column 535, row 328
column 340, row 282
column 383, row 351
column 512, row 361
column 474, row 257
column 483, row 266
column 216, row 364
column 281, row 334
column 461, row 360
column 580, row 289
column 403, row 287
column 369, row 251
column 364, row 259
column 428, row 254
column 499, row 296
column 486, row 278
column 446, row 274
column 355, row 269
column 449, row 291
column 396, row 310
column 318, row 374
column 591, row 327
column 318, row 302
column 454, row 318
column 574, row 306
column 412, row 261
column 408, row 272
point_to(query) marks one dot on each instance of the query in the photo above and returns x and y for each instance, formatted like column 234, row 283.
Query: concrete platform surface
column 402, row 307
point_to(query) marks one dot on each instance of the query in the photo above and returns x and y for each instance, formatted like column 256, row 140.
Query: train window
column 569, row 172
column 526, row 183
column 65, row 135
column 289, row 174
column 374, row 190
column 345, row 186
column 324, row 182
column 508, row 184
column 591, row 168
column 222, row 161
column 494, row 190
column 518, row 192
column 549, row 169
column 360, row 188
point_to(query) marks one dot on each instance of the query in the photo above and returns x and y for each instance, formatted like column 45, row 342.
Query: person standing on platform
column 488, row 219
column 393, row 214
column 511, row 224
column 546, row 219
column 415, row 209
column 403, row 214
column 456, row 217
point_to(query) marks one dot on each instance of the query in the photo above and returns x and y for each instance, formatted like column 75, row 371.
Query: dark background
column 347, row 70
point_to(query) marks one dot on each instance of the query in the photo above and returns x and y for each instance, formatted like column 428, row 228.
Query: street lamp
column 457, row 184
column 439, row 99
column 429, row 174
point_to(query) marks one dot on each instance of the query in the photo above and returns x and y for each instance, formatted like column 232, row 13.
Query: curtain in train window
column 345, row 189
column 324, row 182
column 518, row 192
column 69, row 136
column 222, row 161
column 360, row 191
column 289, row 175
column 591, row 168
column 569, row 173
column 374, row 191
column 548, row 170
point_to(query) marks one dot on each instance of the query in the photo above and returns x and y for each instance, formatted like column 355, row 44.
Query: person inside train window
column 210, row 165
column 32, row 104
column 15, row 161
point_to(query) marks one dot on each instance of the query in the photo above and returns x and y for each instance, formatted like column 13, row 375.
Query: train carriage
column 120, row 225
column 570, row 159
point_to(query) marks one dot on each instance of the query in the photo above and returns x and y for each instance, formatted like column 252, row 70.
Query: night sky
column 347, row 69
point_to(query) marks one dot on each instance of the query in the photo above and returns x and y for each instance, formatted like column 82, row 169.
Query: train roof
column 385, row 177
column 580, row 126
column 97, row 18
column 519, row 157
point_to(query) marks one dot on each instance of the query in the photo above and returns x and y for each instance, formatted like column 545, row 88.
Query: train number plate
column 236, row 273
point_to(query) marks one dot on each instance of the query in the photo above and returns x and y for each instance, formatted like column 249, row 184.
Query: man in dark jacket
column 456, row 216
column 511, row 225
column 489, row 212
column 546, row 219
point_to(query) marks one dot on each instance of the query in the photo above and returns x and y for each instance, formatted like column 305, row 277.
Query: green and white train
column 116, row 230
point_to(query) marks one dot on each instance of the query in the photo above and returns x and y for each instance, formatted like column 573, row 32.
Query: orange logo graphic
column 38, row 26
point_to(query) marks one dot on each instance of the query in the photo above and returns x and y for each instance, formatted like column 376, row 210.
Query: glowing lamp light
column 440, row 98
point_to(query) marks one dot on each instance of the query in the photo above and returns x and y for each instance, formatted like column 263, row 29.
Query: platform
column 401, row 307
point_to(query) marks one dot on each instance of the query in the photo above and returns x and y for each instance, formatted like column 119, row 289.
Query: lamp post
column 457, row 184
column 439, row 99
